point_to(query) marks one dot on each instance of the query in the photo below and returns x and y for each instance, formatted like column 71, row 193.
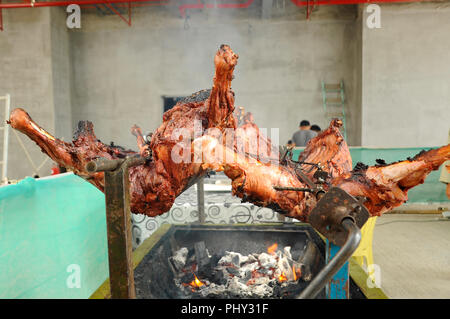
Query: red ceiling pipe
column 299, row 3
column 182, row 8
column 134, row 5
column 302, row 3
column 200, row 5
column 65, row 3
column 120, row 15
column 235, row 5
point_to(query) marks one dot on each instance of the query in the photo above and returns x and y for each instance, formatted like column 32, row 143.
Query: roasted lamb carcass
column 155, row 185
column 384, row 186
column 180, row 156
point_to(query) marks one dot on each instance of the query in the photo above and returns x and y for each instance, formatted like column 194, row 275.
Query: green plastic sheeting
column 52, row 233
column 432, row 191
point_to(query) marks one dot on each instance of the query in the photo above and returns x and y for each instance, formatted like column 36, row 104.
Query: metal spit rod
column 103, row 164
column 325, row 275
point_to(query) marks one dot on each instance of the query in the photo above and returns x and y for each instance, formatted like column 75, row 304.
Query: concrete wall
column 61, row 74
column 34, row 68
column 25, row 68
column 406, row 78
column 121, row 73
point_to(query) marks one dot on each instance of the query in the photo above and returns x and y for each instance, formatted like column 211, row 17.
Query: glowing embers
column 269, row 274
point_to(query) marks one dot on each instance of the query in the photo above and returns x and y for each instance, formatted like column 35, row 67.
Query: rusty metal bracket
column 336, row 263
column 332, row 209
column 118, row 219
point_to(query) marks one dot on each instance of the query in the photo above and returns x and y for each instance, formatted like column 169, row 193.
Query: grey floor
column 413, row 255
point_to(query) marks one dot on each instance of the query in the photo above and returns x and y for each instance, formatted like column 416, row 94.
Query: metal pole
column 325, row 275
column 339, row 285
column 118, row 219
column 117, row 197
column 7, row 99
column 201, row 201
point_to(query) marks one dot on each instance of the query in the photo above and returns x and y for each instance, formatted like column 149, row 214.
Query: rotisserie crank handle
column 325, row 275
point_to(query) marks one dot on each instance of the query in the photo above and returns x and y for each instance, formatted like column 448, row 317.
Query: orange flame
column 272, row 249
column 196, row 283
column 282, row 277
column 295, row 274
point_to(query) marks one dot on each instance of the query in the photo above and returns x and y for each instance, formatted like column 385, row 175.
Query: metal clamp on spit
column 338, row 216
column 320, row 176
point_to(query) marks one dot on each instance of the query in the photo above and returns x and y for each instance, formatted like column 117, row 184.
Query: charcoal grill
column 154, row 279
column 337, row 215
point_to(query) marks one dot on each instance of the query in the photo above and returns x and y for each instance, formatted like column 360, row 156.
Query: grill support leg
column 118, row 219
column 118, row 222
column 335, row 264
column 338, row 286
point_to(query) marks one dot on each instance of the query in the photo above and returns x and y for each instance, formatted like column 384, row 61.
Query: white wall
column 406, row 77
column 121, row 72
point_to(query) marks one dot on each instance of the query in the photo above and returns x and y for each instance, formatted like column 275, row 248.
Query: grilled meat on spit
column 155, row 185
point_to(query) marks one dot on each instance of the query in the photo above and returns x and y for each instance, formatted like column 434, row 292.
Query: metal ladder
column 5, row 129
column 333, row 96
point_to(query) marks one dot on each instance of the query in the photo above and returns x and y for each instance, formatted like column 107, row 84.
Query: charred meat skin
column 155, row 185
column 386, row 186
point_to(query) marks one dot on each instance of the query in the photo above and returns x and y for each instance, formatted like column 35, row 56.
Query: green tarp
column 430, row 191
column 52, row 238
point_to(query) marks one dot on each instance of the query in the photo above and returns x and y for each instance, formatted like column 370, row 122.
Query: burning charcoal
column 237, row 288
column 251, row 259
column 285, row 268
column 233, row 258
column 213, row 291
column 245, row 272
column 245, row 276
column 263, row 291
column 267, row 261
column 287, row 252
column 187, row 277
column 219, row 276
column 288, row 289
column 225, row 260
column 266, row 271
column 277, row 273
column 260, row 281
column 297, row 269
column 249, row 267
column 191, row 257
column 214, row 259
column 239, row 276
column 237, row 259
column 201, row 255
column 233, row 271
column 178, row 260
